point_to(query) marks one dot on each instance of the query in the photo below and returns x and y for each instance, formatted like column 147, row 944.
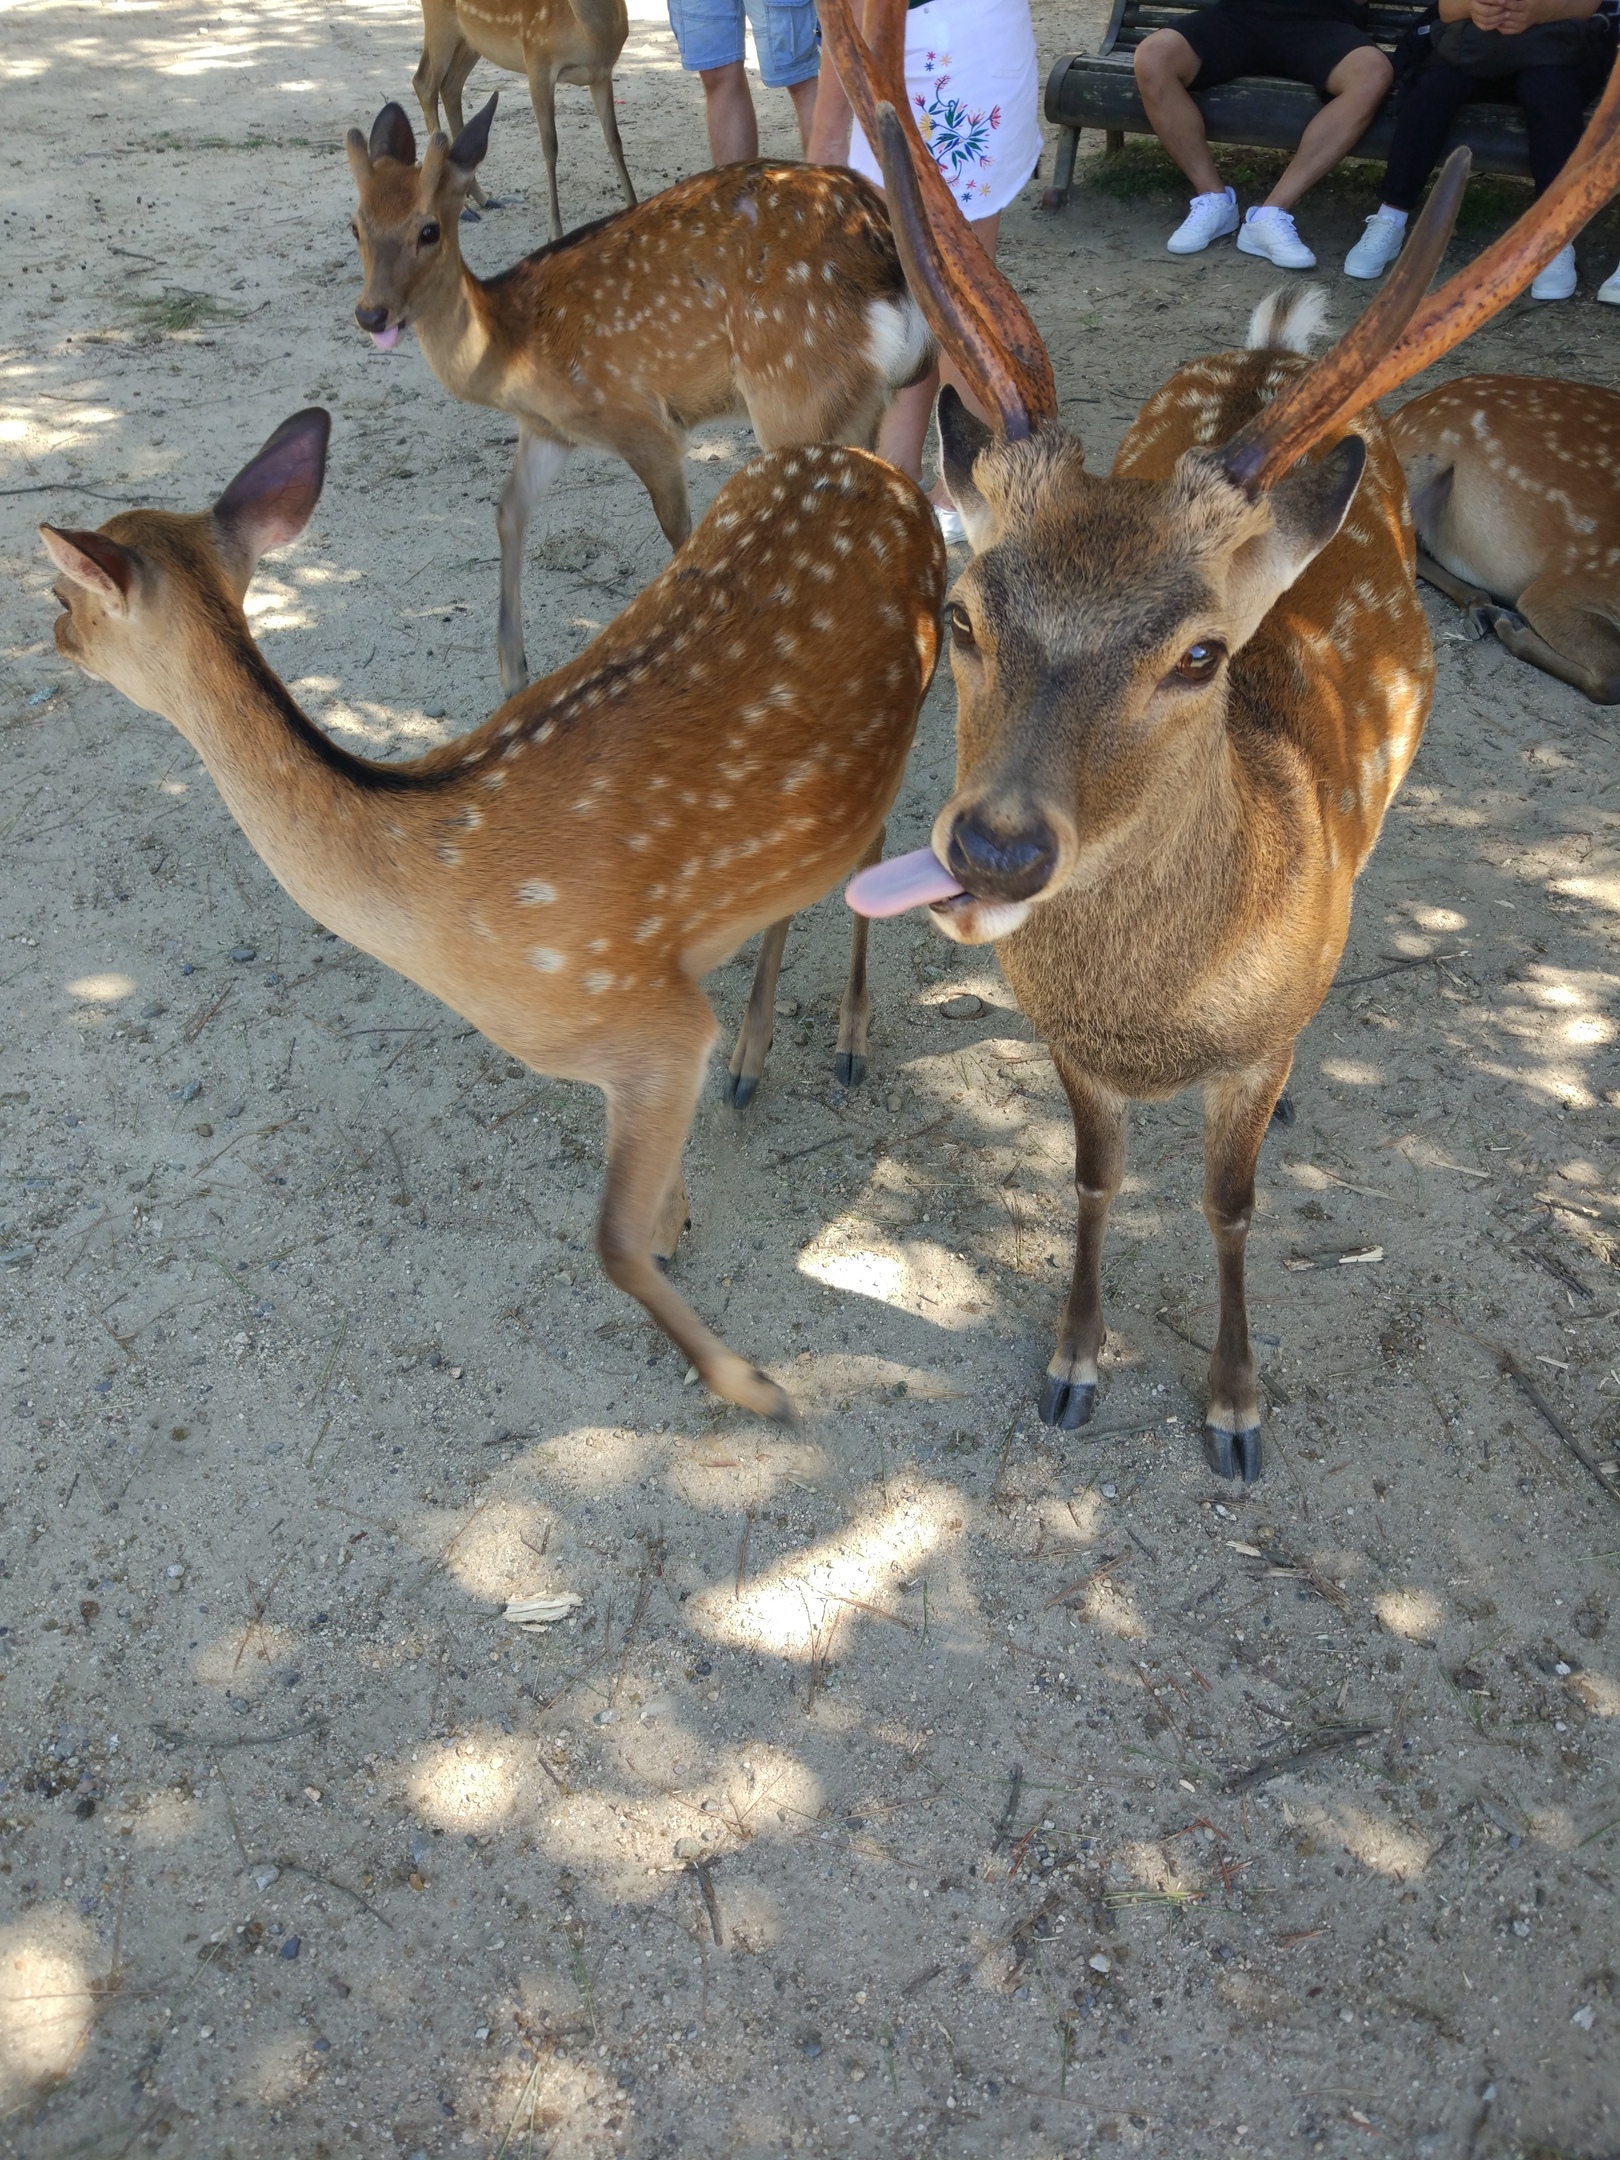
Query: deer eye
column 428, row 235
column 961, row 625
column 1199, row 662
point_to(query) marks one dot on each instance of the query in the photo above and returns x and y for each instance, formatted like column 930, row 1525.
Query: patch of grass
column 176, row 309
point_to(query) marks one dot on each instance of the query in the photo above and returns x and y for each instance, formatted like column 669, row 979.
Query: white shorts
column 975, row 94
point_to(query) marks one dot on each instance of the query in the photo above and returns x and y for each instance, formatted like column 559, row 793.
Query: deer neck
column 453, row 328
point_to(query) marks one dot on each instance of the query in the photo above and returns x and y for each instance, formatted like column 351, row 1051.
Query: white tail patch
column 900, row 342
column 1288, row 320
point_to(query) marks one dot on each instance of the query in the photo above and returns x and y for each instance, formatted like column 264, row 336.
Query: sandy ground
column 913, row 1783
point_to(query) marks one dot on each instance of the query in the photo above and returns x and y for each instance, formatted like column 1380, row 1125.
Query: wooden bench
column 1098, row 90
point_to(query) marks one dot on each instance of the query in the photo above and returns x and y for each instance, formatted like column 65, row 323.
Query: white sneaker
column 1270, row 232
column 1609, row 291
column 1377, row 248
column 951, row 529
column 1557, row 281
column 1209, row 217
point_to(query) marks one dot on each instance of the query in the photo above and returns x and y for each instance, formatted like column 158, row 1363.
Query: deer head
column 128, row 591
column 408, row 220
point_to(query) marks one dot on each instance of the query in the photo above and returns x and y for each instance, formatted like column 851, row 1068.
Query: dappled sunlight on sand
column 1413, row 1614
column 793, row 1609
column 245, row 1659
column 1378, row 1842
column 471, row 1783
column 47, row 2003
column 921, row 1276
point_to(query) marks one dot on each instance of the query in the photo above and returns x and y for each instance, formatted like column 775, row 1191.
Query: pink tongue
column 905, row 881
column 386, row 340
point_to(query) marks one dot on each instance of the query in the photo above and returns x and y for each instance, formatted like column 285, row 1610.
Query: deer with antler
column 547, row 41
column 1515, row 486
column 564, row 875
column 770, row 290
column 1187, row 692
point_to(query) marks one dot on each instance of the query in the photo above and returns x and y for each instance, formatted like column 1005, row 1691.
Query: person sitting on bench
column 1548, row 56
column 1309, row 41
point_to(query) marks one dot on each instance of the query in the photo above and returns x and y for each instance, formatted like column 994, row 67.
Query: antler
column 970, row 306
column 1402, row 333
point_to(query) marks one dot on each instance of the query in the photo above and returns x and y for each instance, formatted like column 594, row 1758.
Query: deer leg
column 441, row 34
column 461, row 66
column 654, row 455
column 649, row 1114
column 1564, row 632
column 1237, row 1110
column 1069, row 1394
column 855, row 1008
column 543, row 97
column 538, row 461
column 755, row 1035
column 1454, row 588
column 602, row 99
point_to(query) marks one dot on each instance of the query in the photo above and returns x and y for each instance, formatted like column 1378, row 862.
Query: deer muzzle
column 998, row 864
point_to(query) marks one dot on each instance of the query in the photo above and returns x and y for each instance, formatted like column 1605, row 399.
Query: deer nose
column 1001, row 866
column 371, row 318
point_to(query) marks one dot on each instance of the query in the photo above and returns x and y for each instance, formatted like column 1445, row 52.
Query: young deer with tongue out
column 1187, row 692
column 564, row 875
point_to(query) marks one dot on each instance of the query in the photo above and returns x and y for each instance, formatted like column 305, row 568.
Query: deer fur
column 564, row 875
column 545, row 41
column 1515, row 484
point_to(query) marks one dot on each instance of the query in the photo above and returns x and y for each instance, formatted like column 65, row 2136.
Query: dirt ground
column 915, row 1783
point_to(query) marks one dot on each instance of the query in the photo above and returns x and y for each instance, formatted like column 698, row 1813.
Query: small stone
column 1585, row 2017
column 964, row 1007
column 204, row 1131
column 242, row 953
column 1110, row 1492
column 787, row 1008
column 417, row 1882
column 433, row 712
column 1562, row 1670
column 688, row 1848
column 1100, row 1963
column 606, row 1717
column 421, row 1848
column 189, row 1093
column 265, row 1876
column 291, row 1947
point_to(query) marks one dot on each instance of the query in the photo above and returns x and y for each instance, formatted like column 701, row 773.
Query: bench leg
column 1062, row 170
column 1113, row 141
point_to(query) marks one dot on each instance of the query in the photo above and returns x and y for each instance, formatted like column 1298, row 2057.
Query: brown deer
column 1187, row 691
column 548, row 41
column 564, row 875
column 1515, row 486
column 767, row 289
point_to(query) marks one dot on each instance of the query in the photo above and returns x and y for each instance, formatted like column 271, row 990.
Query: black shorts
column 1233, row 41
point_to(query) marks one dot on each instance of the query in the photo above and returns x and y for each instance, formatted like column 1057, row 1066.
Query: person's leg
column 803, row 95
column 789, row 57
column 728, row 108
column 1355, row 90
column 905, row 424
column 1431, row 101
column 1166, row 65
column 1553, row 118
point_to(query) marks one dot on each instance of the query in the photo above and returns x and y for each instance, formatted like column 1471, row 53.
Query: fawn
column 770, row 290
column 565, row 874
column 1187, row 691
column 1515, row 484
column 549, row 41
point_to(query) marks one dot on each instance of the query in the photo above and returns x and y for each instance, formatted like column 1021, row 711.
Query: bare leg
column 1356, row 88
column 1237, row 1110
column 536, row 465
column 803, row 95
column 543, row 97
column 729, row 110
column 1165, row 66
column 655, row 459
column 648, row 1118
column 755, row 1035
column 602, row 99
column 855, row 1010
column 1069, row 1395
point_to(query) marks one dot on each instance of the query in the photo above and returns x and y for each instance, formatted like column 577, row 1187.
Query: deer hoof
column 739, row 1089
column 1067, row 1404
column 1233, row 1454
column 1283, row 1110
column 849, row 1068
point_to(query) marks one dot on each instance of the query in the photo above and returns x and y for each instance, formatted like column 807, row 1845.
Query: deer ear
column 391, row 137
column 359, row 156
column 1308, row 505
column 962, row 435
column 468, row 150
column 273, row 497
column 92, row 560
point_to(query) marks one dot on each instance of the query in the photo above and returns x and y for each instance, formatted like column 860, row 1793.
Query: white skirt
column 975, row 94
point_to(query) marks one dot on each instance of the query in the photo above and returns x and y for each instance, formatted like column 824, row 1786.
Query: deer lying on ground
column 548, row 41
column 1187, row 691
column 565, row 874
column 1515, row 485
column 767, row 289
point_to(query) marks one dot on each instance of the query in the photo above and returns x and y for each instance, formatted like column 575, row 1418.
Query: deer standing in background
column 1515, row 486
column 1187, row 691
column 770, row 290
column 548, row 41
column 565, row 874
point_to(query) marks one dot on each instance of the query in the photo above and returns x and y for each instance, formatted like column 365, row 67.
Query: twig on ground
column 1270, row 1766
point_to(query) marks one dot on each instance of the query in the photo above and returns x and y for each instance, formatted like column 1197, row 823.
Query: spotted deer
column 547, row 41
column 1515, row 486
column 1187, row 691
column 564, row 875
